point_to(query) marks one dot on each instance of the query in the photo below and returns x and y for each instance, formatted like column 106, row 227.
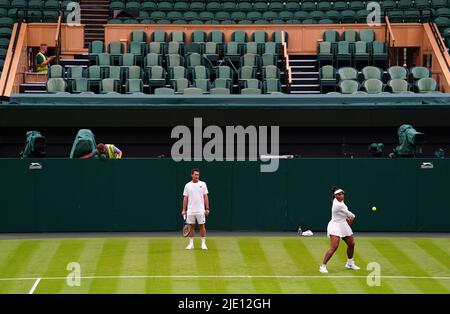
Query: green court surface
column 231, row 265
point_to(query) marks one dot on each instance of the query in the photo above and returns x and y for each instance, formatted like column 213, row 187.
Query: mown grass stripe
column 68, row 251
column 306, row 263
column 134, row 262
column 109, row 262
column 257, row 263
column 208, row 262
column 159, row 261
column 232, row 262
column 29, row 260
column 436, row 252
column 405, row 265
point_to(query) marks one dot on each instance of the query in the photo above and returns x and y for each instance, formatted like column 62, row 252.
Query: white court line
column 38, row 280
column 225, row 276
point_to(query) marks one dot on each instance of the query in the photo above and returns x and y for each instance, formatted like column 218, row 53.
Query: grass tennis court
column 231, row 265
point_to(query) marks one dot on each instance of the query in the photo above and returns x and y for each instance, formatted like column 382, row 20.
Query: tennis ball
column 374, row 209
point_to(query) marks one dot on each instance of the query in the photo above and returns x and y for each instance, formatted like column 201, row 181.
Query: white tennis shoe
column 323, row 269
column 351, row 265
column 190, row 247
column 204, row 247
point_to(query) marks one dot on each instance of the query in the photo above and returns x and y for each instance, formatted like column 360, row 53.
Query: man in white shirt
column 196, row 200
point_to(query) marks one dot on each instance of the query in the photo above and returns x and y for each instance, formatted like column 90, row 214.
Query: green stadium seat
column 49, row 16
column 405, row 4
column 80, row 85
column 156, row 47
column 436, row 4
column 222, row 83
column 227, row 22
column 222, row 15
column 367, row 35
column 165, row 6
column 75, row 72
column 5, row 32
column 371, row 72
column 181, row 6
column 238, row 16
column 152, row 59
column 104, row 59
column 293, row 6
column 309, row 6
column 213, row 7
column 147, row 21
column 347, row 73
column 325, row 21
column 340, row 5
column 176, row 72
column 133, row 72
column 131, row 21
column 331, row 36
column 6, row 22
column 324, row 6
column 211, row 52
column 194, row 59
column 164, row 91
column 276, row 6
column 348, row 86
column 174, row 15
column 134, row 86
column 197, row 6
column 317, row 15
column 271, row 86
column 325, row 53
column 420, row 72
column 357, row 5
column 361, row 16
column 190, row 15
column 350, row 35
column 4, row 4
column 133, row 5
column 232, row 51
column 398, row 85
column 249, row 59
column 388, row 5
column 343, row 53
column 174, row 47
column 138, row 49
column 224, row 72
column 379, row 54
column 246, row 73
column 192, row 91
column 426, row 85
column 115, row 49
column 114, row 21
column 94, row 74
column 4, row 43
column 260, row 37
column 113, row 72
column 128, row 59
column 252, row 47
column 174, row 60
column 397, row 72
column 348, row 16
column 203, row 84
column 219, row 91
column 271, row 48
column 285, row 15
column 270, row 72
column 56, row 71
column 116, row 5
column 179, row 85
column 309, row 21
column 200, row 72
column 138, row 36
column 411, row 16
column 239, row 36
column 260, row 6
column 149, row 6
column 159, row 36
column 108, row 85
column 395, row 16
column 244, row 6
column 156, row 76
column 361, row 55
column 55, row 85
column 277, row 37
column 327, row 77
column 269, row 59
column 422, row 4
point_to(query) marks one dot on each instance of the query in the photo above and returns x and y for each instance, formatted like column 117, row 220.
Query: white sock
column 323, row 265
column 350, row 260
column 191, row 241
column 203, row 240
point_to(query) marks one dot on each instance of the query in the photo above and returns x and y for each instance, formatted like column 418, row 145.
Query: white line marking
column 225, row 276
column 38, row 280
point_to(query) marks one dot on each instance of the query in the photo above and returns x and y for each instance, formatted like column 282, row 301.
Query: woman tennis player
column 339, row 227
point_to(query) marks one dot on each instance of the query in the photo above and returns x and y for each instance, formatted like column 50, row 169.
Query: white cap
column 338, row 191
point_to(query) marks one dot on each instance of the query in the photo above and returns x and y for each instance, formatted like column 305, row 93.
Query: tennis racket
column 186, row 228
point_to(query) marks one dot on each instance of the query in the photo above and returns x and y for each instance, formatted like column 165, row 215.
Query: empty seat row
column 375, row 86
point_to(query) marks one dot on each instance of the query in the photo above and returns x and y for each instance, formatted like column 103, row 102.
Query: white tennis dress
column 338, row 225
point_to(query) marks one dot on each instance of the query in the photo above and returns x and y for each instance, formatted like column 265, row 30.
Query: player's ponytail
column 333, row 189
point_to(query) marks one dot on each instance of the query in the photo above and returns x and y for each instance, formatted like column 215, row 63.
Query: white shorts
column 339, row 229
column 192, row 218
